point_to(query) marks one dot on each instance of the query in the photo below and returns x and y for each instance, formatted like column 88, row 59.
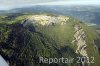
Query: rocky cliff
column 45, row 20
column 80, row 40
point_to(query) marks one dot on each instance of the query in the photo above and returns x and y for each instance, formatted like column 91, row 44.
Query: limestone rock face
column 79, row 40
column 46, row 20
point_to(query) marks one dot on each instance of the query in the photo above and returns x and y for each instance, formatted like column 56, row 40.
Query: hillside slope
column 26, row 38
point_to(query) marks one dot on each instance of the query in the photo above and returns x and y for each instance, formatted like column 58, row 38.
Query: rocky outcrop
column 46, row 20
column 79, row 40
